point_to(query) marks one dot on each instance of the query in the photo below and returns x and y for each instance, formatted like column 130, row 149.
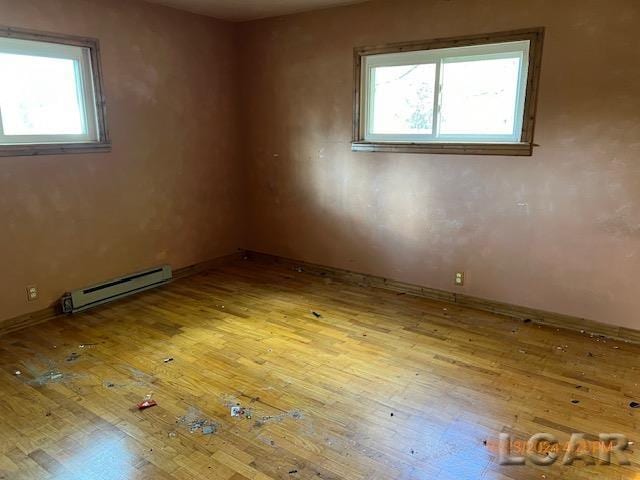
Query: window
column 464, row 95
column 50, row 94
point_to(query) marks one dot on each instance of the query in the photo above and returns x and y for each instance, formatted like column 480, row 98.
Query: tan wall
column 168, row 193
column 558, row 231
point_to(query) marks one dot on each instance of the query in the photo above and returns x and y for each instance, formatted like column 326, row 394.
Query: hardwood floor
column 375, row 386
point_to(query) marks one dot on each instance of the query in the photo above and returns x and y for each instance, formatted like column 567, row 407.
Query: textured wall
column 237, row 10
column 169, row 191
column 558, row 231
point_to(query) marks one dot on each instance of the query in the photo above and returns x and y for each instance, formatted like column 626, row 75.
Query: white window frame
column 437, row 51
column 439, row 57
column 85, row 53
column 84, row 82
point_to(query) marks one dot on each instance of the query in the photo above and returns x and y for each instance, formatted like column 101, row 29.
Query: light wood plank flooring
column 376, row 386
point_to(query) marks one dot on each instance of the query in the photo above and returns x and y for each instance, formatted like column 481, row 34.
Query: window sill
column 53, row 149
column 510, row 149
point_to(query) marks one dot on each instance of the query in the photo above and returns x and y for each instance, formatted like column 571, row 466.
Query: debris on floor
column 236, row 408
column 208, row 429
column 292, row 472
column 198, row 425
column 44, row 371
column 18, row 372
column 72, row 357
column 527, row 320
column 238, row 411
column 195, row 421
column 575, row 402
column 295, row 414
column 168, row 360
column 148, row 402
column 49, row 377
column 266, row 440
column 598, row 337
column 316, row 314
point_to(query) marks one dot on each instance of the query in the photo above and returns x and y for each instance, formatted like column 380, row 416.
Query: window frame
column 91, row 96
column 433, row 51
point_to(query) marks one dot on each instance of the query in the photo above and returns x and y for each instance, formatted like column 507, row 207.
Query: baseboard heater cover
column 80, row 300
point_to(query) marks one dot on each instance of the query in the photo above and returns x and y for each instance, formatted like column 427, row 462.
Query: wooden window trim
column 104, row 142
column 523, row 148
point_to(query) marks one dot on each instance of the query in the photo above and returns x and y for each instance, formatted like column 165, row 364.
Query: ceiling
column 239, row 10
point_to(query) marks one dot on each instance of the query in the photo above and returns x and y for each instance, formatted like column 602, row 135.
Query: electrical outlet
column 460, row 279
column 32, row 293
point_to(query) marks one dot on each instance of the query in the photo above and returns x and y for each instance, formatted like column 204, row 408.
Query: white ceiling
column 238, row 10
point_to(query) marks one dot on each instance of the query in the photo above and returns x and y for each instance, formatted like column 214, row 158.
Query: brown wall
column 169, row 191
column 558, row 231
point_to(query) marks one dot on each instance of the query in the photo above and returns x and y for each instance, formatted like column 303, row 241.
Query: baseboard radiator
column 115, row 289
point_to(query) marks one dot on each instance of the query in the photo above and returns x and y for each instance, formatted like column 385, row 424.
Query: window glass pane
column 403, row 99
column 39, row 95
column 479, row 97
